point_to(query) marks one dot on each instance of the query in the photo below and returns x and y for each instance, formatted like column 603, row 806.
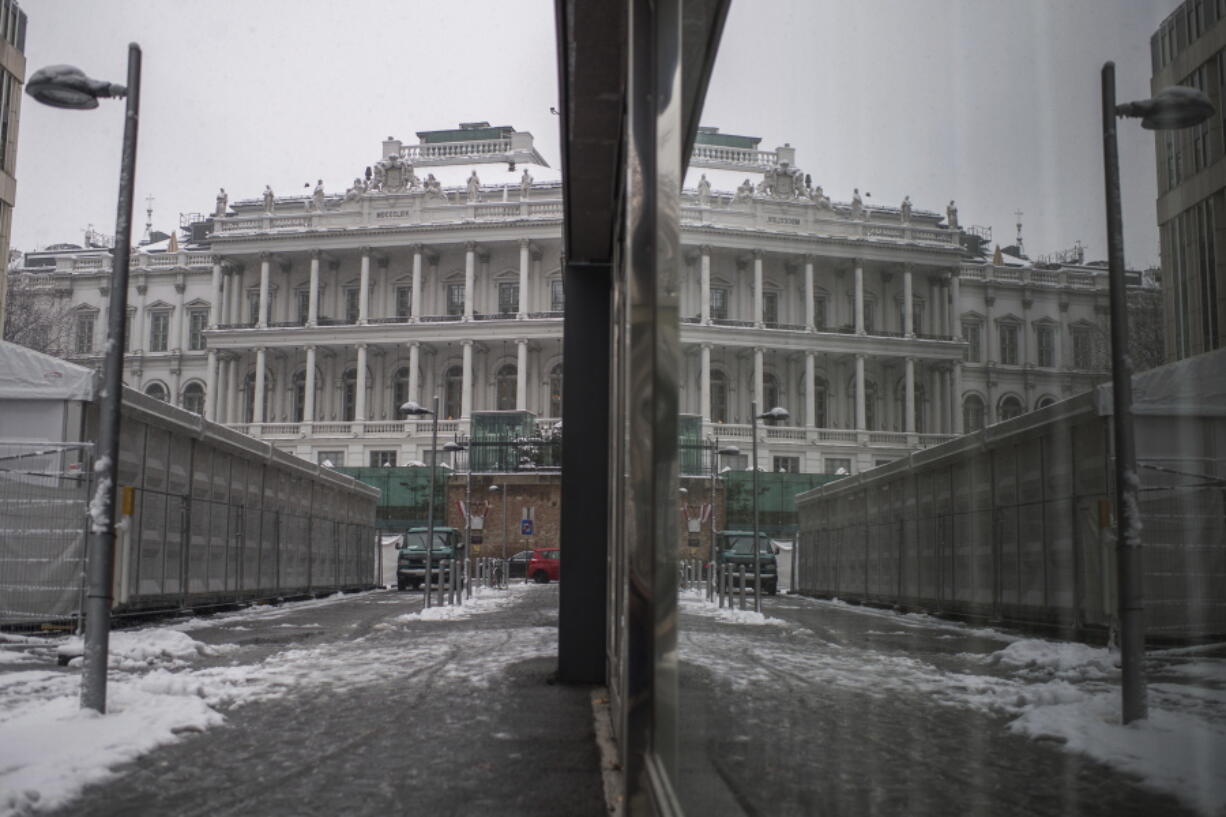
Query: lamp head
column 1174, row 107
column 777, row 413
column 729, row 451
column 65, row 86
column 454, row 446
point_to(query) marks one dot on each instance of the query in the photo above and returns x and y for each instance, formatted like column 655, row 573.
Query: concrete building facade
column 12, row 80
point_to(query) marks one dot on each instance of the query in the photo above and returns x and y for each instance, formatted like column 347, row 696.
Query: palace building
column 308, row 321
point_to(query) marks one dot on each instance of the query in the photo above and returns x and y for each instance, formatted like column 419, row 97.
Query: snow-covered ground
column 1061, row 692
column 164, row 684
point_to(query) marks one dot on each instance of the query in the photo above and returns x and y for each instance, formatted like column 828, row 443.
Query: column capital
column 757, row 254
column 467, row 342
column 217, row 260
column 521, row 341
column 705, row 249
column 418, row 248
column 470, row 246
column 362, row 346
column 860, row 356
column 809, row 259
column 525, row 243
column 265, row 256
column 365, row 251
column 706, row 347
column 906, row 267
column 413, row 344
column 317, row 254
column 310, row 347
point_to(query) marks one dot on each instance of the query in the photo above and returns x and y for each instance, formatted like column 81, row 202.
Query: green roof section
column 711, row 136
column 467, row 132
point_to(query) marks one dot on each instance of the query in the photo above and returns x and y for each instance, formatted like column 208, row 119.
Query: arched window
column 400, row 390
column 770, row 392
column 1010, row 407
column 820, row 391
column 157, row 391
column 453, row 392
column 719, row 397
column 349, row 396
column 1045, row 401
column 555, row 391
column 193, row 397
column 504, row 388
column 299, row 396
column 972, row 413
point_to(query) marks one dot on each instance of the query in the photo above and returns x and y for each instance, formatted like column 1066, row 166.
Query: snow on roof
column 29, row 375
column 1193, row 386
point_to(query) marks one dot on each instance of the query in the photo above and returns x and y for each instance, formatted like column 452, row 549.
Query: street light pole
column 1170, row 109
column 414, row 410
column 757, row 561
column 63, row 86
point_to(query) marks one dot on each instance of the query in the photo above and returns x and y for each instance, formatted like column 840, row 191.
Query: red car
column 545, row 565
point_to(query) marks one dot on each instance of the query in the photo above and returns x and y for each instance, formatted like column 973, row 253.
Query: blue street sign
column 525, row 527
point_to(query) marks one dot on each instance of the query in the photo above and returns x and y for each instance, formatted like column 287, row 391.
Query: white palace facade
column 308, row 321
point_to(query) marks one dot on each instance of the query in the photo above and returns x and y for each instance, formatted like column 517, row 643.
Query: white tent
column 1193, row 386
column 35, row 391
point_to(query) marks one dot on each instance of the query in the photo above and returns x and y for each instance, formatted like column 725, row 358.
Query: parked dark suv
column 735, row 548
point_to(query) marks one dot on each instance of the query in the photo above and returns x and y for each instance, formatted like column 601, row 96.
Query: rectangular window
column 159, row 330
column 253, row 307
column 302, row 306
column 786, row 465
column 770, row 308
column 838, row 465
column 85, row 333
column 351, row 305
column 917, row 317
column 974, row 342
column 1045, row 340
column 719, row 303
column 819, row 312
column 330, row 459
column 870, row 308
column 455, row 299
column 382, row 459
column 1083, row 349
column 557, row 296
column 404, row 302
column 127, row 328
column 508, row 297
column 1008, row 344
column 198, row 321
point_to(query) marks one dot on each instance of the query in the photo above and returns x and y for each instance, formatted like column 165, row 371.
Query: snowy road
column 356, row 705
column 824, row 708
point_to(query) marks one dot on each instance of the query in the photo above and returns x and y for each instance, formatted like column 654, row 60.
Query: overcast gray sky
column 989, row 102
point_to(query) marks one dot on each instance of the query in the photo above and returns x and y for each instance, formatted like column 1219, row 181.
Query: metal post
column 506, row 568
column 740, row 576
column 430, row 510
column 757, row 567
column 106, row 469
column 468, row 516
column 1127, row 513
column 714, row 476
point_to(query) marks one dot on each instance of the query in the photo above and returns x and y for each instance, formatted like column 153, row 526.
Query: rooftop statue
column 474, row 188
column 905, row 210
column 704, row 190
column 745, row 191
column 393, row 175
column 821, row 198
column 434, row 188
column 317, row 198
column 223, row 201
column 951, row 215
column 857, row 203
column 355, row 192
column 269, row 198
column 525, row 185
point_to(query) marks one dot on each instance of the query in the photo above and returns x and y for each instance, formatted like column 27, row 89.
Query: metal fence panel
column 44, row 494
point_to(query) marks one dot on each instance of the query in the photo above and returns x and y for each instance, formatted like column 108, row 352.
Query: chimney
column 391, row 146
column 787, row 155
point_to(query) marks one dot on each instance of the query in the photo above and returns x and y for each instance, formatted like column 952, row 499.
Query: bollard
column 741, row 584
column 721, row 581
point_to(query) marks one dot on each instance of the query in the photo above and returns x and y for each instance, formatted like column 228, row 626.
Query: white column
column 859, row 301
column 265, row 260
column 810, row 322
column 364, row 292
column 232, row 393
column 757, row 380
column 257, row 405
column 359, row 408
column 466, row 387
column 210, row 386
column 705, row 306
column 215, row 303
column 308, row 397
column 521, row 375
column 909, row 398
column 908, row 314
column 860, row 392
column 234, row 313
column 414, row 361
column 809, row 391
column 415, row 294
column 704, row 382
column 525, row 265
column 757, row 294
column 313, row 292
column 177, row 323
column 470, row 265
column 955, row 308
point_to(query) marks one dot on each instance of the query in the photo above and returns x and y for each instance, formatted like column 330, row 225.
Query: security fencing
column 44, row 496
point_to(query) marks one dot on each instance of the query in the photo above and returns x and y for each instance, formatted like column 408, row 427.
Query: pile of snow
column 484, row 600
column 1057, row 659
column 695, row 601
column 134, row 649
